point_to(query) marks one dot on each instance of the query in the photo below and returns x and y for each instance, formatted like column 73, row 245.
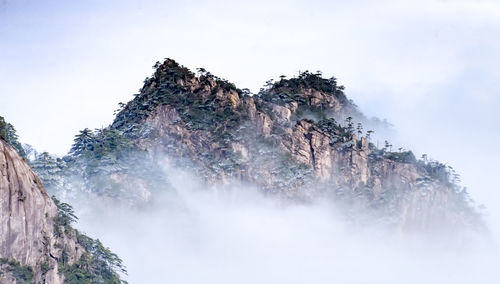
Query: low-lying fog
column 199, row 235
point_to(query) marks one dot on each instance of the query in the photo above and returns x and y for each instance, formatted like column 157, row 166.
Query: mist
column 234, row 234
column 427, row 66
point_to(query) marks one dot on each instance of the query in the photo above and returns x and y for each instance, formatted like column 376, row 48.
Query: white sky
column 430, row 67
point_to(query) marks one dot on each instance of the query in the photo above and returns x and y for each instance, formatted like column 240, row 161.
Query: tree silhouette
column 387, row 145
column 201, row 71
column 350, row 126
column 369, row 134
column 9, row 135
column 359, row 129
column 245, row 91
column 83, row 142
column 269, row 83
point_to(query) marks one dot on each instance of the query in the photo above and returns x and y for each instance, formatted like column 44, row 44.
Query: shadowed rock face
column 27, row 221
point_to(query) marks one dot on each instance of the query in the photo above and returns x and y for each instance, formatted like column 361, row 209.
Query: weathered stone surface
column 296, row 138
column 26, row 220
column 264, row 123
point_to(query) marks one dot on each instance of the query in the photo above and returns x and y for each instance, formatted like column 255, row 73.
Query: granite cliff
column 300, row 139
column 37, row 242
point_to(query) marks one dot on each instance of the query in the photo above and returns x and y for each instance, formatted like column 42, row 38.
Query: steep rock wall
column 27, row 221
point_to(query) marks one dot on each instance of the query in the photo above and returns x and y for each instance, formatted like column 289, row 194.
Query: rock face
column 27, row 223
column 298, row 138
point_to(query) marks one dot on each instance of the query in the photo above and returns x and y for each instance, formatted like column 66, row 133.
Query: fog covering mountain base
column 235, row 234
column 273, row 186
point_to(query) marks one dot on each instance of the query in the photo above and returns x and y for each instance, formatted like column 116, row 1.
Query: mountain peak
column 307, row 82
column 299, row 138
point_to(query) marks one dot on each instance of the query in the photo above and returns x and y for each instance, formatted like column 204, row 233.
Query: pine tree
column 30, row 151
column 83, row 143
column 50, row 170
column 369, row 134
column 350, row 125
column 386, row 145
column 359, row 129
column 9, row 135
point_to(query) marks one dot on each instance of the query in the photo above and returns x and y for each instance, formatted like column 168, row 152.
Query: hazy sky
column 430, row 67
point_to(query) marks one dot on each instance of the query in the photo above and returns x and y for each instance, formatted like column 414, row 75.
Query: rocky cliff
column 27, row 221
column 37, row 243
column 299, row 138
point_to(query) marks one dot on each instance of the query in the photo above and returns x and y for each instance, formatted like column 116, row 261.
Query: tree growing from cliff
column 21, row 273
column 30, row 151
column 120, row 108
column 424, row 157
column 65, row 214
column 97, row 264
column 83, row 142
column 350, row 124
column 9, row 135
column 201, row 72
column 245, row 91
column 49, row 169
column 387, row 146
column 359, row 129
column 369, row 134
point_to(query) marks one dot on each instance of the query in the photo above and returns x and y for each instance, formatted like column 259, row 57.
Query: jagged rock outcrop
column 27, row 216
column 297, row 138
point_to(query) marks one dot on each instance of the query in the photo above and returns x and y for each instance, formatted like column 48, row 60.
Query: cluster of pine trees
column 97, row 264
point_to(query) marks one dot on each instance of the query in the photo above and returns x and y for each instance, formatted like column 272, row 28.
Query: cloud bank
column 235, row 235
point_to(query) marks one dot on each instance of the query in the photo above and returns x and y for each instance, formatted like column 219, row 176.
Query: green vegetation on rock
column 291, row 90
column 97, row 264
column 21, row 273
column 9, row 135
